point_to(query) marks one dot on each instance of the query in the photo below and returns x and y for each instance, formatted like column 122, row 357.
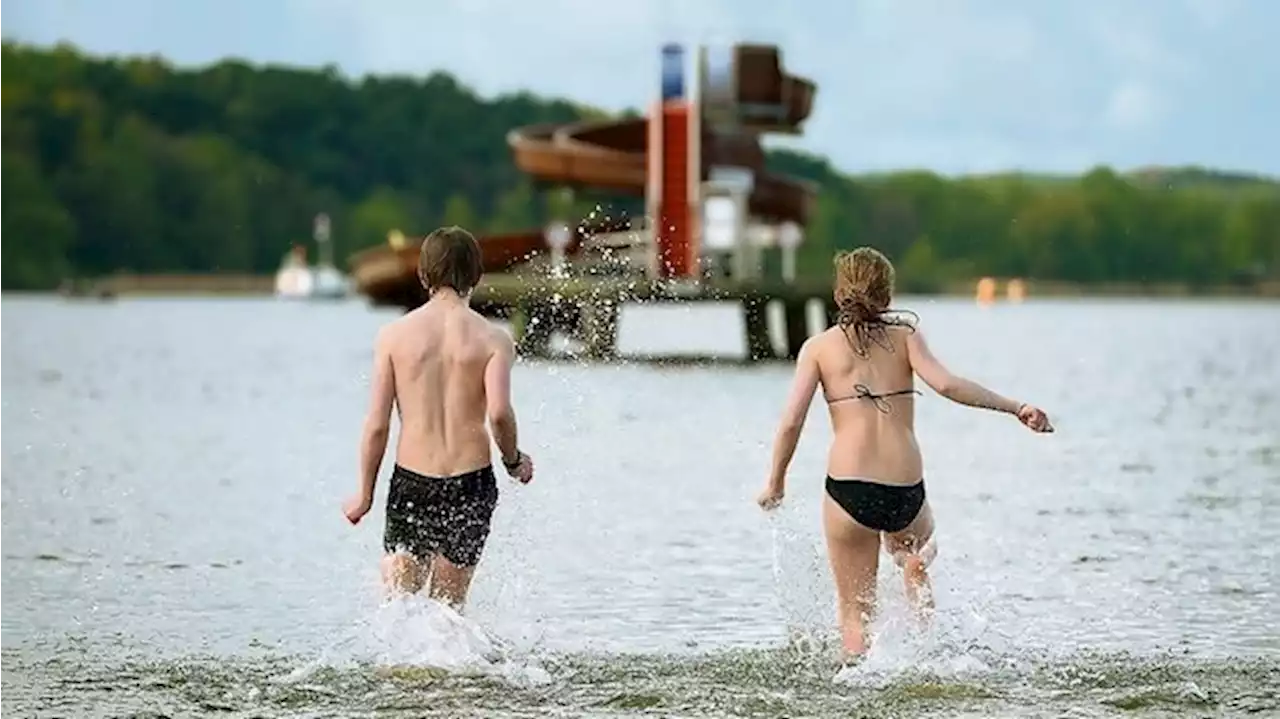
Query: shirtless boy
column 446, row 369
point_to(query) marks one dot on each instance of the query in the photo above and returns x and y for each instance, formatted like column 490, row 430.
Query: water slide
column 608, row 156
column 611, row 156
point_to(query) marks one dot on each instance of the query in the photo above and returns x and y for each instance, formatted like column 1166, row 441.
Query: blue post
column 672, row 71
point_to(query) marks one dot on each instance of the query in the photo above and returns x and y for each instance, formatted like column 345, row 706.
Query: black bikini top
column 861, row 391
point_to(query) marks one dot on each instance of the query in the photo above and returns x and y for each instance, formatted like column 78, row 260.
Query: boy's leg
column 463, row 535
column 402, row 574
column 450, row 582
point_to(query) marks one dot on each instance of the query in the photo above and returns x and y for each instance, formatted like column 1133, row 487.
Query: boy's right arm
column 953, row 387
column 497, row 392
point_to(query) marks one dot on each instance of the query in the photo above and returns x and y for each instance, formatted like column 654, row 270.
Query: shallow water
column 173, row 546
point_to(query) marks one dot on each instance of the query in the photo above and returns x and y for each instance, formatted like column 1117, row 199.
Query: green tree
column 457, row 211
column 132, row 163
column 827, row 228
column 38, row 230
column 379, row 213
column 921, row 270
column 515, row 210
column 112, row 189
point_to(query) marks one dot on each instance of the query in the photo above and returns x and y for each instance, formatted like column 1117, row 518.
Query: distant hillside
column 132, row 164
column 1199, row 177
column 1161, row 178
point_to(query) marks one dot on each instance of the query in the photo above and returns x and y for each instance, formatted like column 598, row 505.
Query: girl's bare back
column 870, row 397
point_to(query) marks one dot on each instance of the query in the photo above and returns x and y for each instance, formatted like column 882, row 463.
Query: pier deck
column 587, row 307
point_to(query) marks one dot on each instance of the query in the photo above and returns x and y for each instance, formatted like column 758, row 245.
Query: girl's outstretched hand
column 770, row 498
column 1034, row 418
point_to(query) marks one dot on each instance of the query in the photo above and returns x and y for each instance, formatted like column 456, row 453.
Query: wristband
column 512, row 466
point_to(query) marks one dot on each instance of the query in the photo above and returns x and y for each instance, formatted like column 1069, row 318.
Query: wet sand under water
column 172, row 473
column 780, row 682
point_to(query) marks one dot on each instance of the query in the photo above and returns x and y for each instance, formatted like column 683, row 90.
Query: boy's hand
column 356, row 507
column 525, row 475
column 522, row 470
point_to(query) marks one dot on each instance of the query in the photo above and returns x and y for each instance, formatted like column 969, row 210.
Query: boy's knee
column 402, row 571
column 397, row 563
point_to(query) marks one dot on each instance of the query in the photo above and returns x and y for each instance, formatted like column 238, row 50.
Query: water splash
column 415, row 630
column 957, row 643
column 418, row 635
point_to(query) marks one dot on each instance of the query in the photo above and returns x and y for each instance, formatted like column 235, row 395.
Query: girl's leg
column 854, row 552
column 913, row 549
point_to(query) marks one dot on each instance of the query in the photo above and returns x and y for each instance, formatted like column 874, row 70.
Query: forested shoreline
column 133, row 165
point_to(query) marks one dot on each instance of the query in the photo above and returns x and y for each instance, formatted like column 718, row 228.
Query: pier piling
column 587, row 309
column 598, row 328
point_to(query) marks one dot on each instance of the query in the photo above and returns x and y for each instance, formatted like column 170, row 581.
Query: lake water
column 173, row 545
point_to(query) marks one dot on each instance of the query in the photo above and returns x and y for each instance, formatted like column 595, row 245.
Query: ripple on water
column 643, row 538
column 761, row 682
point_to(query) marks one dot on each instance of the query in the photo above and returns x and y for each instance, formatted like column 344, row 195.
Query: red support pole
column 674, row 212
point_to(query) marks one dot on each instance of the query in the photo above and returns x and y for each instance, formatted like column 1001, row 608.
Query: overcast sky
column 956, row 86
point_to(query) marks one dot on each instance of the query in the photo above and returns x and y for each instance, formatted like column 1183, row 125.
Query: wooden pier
column 586, row 308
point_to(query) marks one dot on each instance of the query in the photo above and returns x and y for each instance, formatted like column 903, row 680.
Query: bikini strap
column 861, row 391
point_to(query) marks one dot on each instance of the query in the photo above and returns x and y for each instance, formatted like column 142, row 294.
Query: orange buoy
column 1016, row 291
column 986, row 291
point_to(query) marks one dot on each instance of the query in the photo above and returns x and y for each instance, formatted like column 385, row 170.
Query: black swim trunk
column 448, row 516
column 882, row 507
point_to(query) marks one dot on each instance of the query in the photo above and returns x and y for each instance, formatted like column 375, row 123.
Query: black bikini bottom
column 882, row 507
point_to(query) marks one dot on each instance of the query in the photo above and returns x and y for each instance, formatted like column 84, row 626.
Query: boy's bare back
column 440, row 356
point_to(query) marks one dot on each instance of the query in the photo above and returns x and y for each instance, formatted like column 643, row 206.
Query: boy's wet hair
column 450, row 257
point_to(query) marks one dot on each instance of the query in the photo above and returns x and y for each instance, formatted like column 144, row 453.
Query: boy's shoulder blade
column 501, row 335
